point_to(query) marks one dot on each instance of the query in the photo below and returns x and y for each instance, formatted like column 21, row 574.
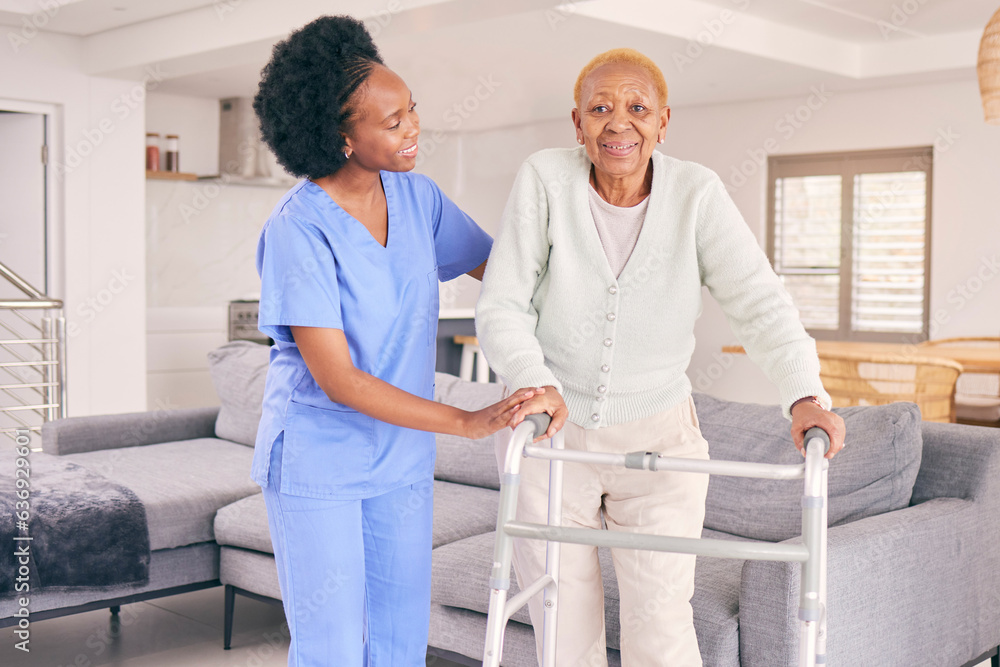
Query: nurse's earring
column 347, row 155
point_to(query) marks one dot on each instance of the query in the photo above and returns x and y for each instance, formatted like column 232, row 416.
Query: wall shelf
column 170, row 176
column 223, row 179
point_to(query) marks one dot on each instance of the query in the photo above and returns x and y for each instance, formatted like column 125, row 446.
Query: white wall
column 97, row 229
column 479, row 169
column 201, row 243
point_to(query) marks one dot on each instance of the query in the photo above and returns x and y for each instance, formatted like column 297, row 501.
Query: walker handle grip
column 541, row 421
column 817, row 432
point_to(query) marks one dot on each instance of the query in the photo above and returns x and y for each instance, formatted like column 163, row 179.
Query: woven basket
column 988, row 68
column 863, row 379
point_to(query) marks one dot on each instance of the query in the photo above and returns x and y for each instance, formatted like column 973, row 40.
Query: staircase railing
column 32, row 358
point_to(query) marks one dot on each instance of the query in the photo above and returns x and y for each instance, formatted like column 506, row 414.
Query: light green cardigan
column 551, row 311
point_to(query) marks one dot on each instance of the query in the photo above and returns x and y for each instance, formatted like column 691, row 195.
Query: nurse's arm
column 478, row 272
column 328, row 358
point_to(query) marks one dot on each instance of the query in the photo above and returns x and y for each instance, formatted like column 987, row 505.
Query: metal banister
column 19, row 282
column 33, row 354
column 42, row 303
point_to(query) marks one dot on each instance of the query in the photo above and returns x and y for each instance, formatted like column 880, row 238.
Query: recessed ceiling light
column 120, row 9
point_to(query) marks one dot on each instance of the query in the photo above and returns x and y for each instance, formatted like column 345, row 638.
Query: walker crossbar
column 797, row 553
column 811, row 553
column 657, row 463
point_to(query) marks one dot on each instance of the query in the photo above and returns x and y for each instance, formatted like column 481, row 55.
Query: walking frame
column 811, row 553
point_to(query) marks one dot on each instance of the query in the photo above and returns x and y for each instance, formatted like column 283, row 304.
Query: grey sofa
column 914, row 511
column 183, row 475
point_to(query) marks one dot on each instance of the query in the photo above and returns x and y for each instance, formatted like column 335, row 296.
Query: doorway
column 24, row 243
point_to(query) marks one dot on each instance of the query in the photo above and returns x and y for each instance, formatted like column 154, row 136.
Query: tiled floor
column 177, row 631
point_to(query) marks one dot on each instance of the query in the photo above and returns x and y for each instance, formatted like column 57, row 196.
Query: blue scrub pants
column 355, row 575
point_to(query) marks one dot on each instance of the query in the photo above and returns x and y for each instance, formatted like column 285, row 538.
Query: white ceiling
column 711, row 51
column 88, row 17
column 850, row 20
column 866, row 21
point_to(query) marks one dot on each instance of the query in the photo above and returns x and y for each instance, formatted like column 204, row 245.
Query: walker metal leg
column 499, row 610
column 500, row 576
column 552, row 550
column 821, row 632
column 812, row 610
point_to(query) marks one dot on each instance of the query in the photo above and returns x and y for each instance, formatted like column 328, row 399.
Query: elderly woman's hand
column 807, row 414
column 549, row 402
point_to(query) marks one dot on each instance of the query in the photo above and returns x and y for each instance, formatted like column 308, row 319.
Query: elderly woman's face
column 620, row 118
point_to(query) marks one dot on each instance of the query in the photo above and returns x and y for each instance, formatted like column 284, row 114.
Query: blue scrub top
column 320, row 267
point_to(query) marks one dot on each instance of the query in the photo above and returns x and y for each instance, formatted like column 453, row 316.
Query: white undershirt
column 618, row 227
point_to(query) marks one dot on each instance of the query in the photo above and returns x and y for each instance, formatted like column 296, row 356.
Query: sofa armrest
column 75, row 435
column 958, row 461
column 914, row 586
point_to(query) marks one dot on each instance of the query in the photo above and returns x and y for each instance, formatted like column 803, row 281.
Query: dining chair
column 977, row 393
column 863, row 379
column 472, row 356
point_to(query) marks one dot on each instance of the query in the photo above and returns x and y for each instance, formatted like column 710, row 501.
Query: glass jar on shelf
column 152, row 151
column 173, row 156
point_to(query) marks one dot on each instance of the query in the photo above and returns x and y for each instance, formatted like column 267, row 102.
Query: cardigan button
column 611, row 317
column 595, row 417
column 605, row 368
column 602, row 389
column 613, row 290
column 607, row 342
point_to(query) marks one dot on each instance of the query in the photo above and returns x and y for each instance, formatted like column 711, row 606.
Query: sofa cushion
column 205, row 475
column 252, row 571
column 460, row 459
column 459, row 512
column 462, row 631
column 239, row 370
column 873, row 474
column 168, row 568
column 244, row 524
column 460, row 578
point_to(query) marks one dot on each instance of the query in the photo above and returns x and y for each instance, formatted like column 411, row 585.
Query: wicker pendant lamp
column 989, row 70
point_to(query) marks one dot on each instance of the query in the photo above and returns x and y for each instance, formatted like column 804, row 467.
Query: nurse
column 349, row 262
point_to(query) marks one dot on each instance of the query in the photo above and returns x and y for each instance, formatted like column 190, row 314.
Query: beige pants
column 655, row 589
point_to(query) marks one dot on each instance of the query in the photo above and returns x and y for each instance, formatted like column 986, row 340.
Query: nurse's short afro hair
column 623, row 57
column 304, row 90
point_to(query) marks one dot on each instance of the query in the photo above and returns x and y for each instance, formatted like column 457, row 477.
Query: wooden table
column 972, row 359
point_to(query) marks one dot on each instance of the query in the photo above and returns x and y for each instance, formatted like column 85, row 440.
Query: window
column 849, row 236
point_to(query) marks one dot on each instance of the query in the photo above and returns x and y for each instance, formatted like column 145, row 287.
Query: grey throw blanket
column 86, row 530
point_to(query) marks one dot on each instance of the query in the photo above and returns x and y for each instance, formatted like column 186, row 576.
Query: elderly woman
column 592, row 291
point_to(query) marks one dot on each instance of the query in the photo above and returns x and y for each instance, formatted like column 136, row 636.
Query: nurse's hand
column 489, row 420
column 549, row 402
